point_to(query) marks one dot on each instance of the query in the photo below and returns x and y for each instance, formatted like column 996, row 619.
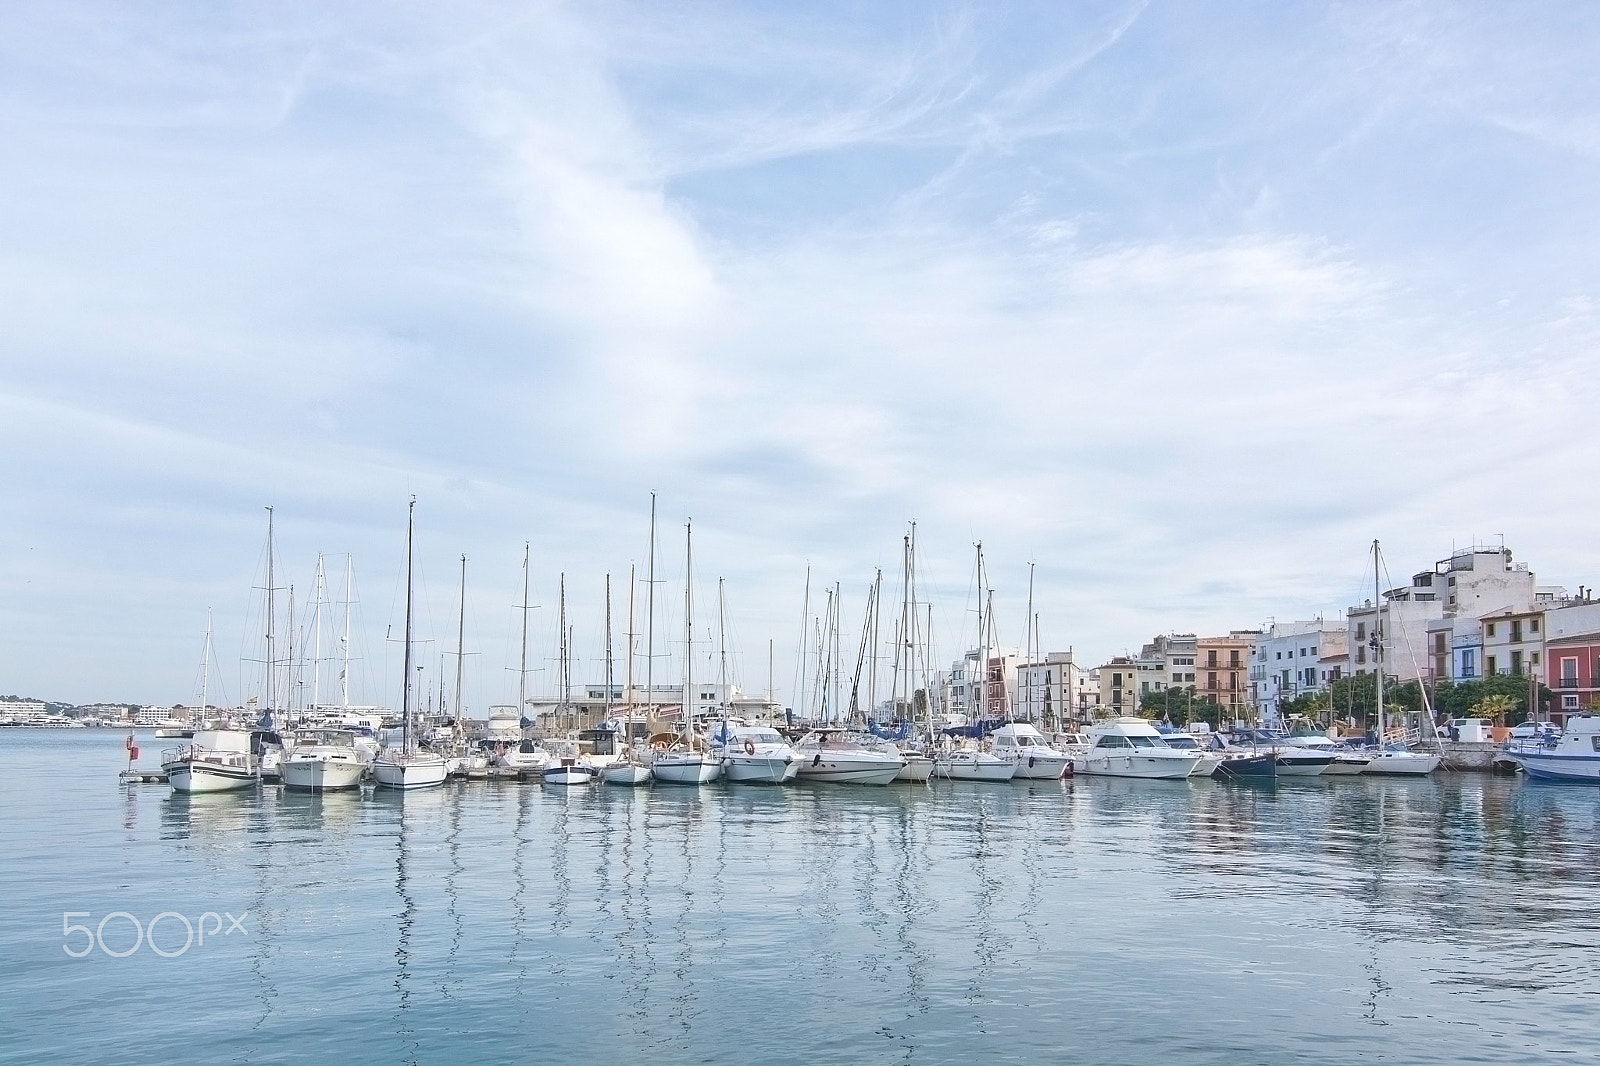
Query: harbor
column 1420, row 920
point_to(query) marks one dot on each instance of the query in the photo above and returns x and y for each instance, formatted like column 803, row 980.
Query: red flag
column 133, row 753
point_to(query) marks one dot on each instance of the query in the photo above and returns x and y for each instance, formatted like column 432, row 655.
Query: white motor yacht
column 1132, row 747
column 1209, row 760
column 829, row 755
column 1346, row 762
column 1022, row 744
column 323, row 760
column 1573, row 755
column 216, row 760
column 755, row 754
column 525, row 756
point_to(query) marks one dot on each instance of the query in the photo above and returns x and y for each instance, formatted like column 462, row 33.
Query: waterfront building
column 1295, row 658
column 1051, row 691
column 1223, row 667
column 1119, row 692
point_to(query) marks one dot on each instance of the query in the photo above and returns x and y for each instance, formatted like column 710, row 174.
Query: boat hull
column 407, row 775
column 973, row 770
column 759, row 769
column 1253, row 767
column 1296, row 765
column 918, row 769
column 1542, row 766
column 685, row 772
column 630, row 774
column 823, row 769
column 1041, row 767
column 321, row 775
column 185, row 775
column 1403, row 763
column 569, row 775
column 1151, row 767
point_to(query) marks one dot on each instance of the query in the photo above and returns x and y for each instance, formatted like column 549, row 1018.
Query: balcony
column 1570, row 682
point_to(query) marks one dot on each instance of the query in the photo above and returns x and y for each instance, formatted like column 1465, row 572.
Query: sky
column 1180, row 306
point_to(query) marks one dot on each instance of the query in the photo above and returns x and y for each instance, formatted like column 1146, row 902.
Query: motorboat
column 524, row 756
column 1132, row 747
column 1209, row 760
column 1346, row 761
column 1291, row 760
column 1571, row 755
column 832, row 756
column 216, row 760
column 754, row 754
column 1022, row 744
column 570, row 771
column 323, row 760
column 972, row 764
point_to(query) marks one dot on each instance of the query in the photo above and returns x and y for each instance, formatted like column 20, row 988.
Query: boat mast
column 608, row 647
column 205, row 668
column 316, row 646
column 1027, row 644
column 983, row 647
column 838, row 681
column 688, row 627
column 631, row 638
column 293, row 678
column 405, row 689
column 722, row 648
column 1377, row 637
column 872, row 666
column 650, row 615
column 522, row 670
column 344, row 675
column 563, row 678
column 270, row 695
column 461, row 639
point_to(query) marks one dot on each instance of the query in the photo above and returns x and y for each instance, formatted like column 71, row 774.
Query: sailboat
column 681, row 763
column 630, row 767
column 567, row 769
column 1387, row 760
column 966, row 762
column 215, row 760
column 519, row 753
column 406, row 767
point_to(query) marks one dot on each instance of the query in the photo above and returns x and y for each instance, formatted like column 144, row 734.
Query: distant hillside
column 50, row 706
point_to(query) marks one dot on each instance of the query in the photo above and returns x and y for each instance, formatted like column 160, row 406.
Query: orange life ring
column 749, row 746
column 659, row 745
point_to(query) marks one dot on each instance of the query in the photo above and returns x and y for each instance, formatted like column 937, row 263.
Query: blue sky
column 1184, row 303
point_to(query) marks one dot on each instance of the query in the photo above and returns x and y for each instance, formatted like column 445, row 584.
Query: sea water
column 1453, row 918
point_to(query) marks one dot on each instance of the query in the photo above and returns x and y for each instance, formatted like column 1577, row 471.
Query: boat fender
column 818, row 760
column 749, row 747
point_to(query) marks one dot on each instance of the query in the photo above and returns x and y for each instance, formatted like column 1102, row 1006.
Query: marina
column 1432, row 919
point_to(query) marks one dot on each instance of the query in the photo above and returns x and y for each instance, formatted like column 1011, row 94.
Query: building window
column 1533, row 625
column 1211, row 682
column 1569, row 703
column 1489, row 629
column 1489, row 665
column 1516, row 664
column 1516, row 632
column 1361, row 653
column 1361, row 631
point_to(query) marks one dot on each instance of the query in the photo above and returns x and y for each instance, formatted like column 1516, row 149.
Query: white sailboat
column 965, row 761
column 1387, row 759
column 630, row 767
column 407, row 768
column 683, row 762
column 516, row 752
column 568, row 769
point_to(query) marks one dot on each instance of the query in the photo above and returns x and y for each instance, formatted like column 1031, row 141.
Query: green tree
column 1181, row 706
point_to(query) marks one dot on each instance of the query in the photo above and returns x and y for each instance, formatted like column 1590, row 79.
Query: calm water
column 1445, row 920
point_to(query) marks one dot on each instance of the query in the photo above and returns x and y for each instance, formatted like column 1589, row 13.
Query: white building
column 1294, row 658
column 1053, row 691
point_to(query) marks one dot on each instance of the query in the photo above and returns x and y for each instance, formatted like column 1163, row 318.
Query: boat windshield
column 1148, row 742
column 1182, row 742
column 761, row 736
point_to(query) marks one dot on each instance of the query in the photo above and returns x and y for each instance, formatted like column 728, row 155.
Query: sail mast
column 461, row 639
column 405, row 689
column 344, row 676
column 522, row 670
column 1377, row 637
column 688, row 627
column 316, row 646
column 608, row 647
column 650, row 614
column 1027, row 644
column 270, row 694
